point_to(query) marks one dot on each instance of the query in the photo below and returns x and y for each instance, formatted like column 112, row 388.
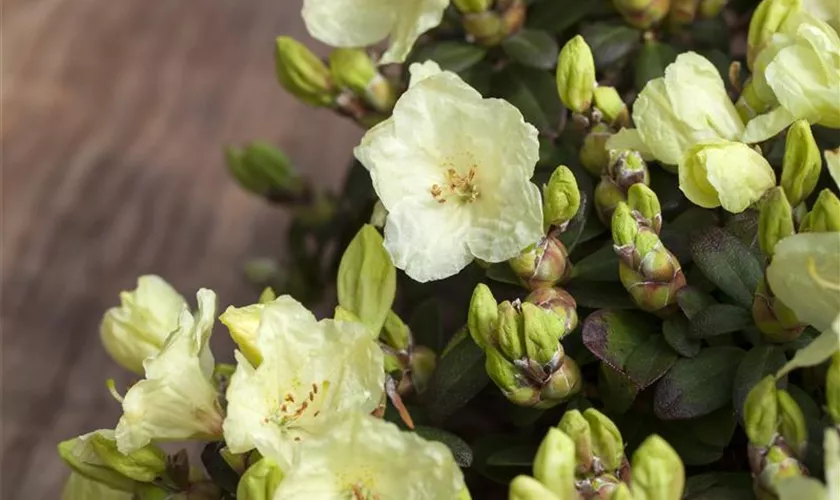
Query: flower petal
column 502, row 230
column 413, row 19
column 349, row 23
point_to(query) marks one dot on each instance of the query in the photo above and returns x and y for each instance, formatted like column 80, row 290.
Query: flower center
column 362, row 492
column 298, row 403
column 461, row 188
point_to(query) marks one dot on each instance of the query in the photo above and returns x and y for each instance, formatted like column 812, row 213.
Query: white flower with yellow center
column 311, row 370
column 687, row 106
column 358, row 23
column 453, row 171
column 363, row 457
column 177, row 399
column 138, row 328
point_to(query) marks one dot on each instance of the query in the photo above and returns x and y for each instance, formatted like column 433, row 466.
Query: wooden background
column 113, row 116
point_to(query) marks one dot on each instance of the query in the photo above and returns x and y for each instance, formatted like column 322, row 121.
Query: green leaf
column 502, row 273
column 556, row 16
column 460, row 449
column 759, row 362
column 692, row 300
column 719, row 486
column 652, row 61
column 217, row 468
column 600, row 295
column 451, row 55
column 817, row 352
column 530, row 47
column 600, row 265
column 488, row 445
column 744, row 226
column 675, row 331
column 616, row 390
column 458, row 377
column 727, row 263
column 610, row 42
column 517, row 456
column 533, row 91
column 676, row 234
column 367, row 280
column 630, row 343
column 479, row 76
column 719, row 319
column 697, row 386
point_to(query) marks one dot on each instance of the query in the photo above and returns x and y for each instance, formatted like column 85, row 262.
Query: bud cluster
column 489, row 22
column 624, row 170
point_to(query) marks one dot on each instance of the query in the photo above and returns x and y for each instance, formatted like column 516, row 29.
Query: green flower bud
column 612, row 106
column 776, row 321
column 624, row 227
column 485, row 28
column 353, row 69
column 608, row 195
column 510, row 329
column 761, row 412
column 658, row 472
column 711, row 8
column 80, row 456
column 264, row 170
column 528, row 488
column 642, row 14
column 542, row 265
column 379, row 215
column 824, row 217
column 560, row 303
column 482, row 316
column 621, row 492
column 145, row 464
column 650, row 295
column 395, row 332
column 832, row 389
column 472, row 6
column 645, row 205
column 607, row 443
column 423, row 362
column 576, row 75
column 561, row 198
column 603, row 486
column 267, row 295
column 565, row 382
column 750, row 103
column 554, row 464
column 543, row 330
column 801, row 164
column 775, row 221
column 683, row 12
column 777, row 465
column 594, row 155
column 766, row 21
column 792, row 425
column 627, row 168
column 302, row 73
column 342, row 314
column 260, row 481
column 237, row 461
column 507, row 377
column 577, row 428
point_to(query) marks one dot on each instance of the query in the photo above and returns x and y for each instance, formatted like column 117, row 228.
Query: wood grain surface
column 113, row 116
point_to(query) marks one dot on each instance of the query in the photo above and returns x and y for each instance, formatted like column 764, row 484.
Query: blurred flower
column 453, row 171
column 138, row 328
column 302, row 73
column 310, row 370
column 358, row 23
column 177, row 399
column 364, row 457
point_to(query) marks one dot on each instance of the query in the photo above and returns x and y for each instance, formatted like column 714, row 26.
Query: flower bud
column 577, row 428
column 561, row 198
column 379, row 215
column 237, row 461
column 576, row 75
column 761, row 412
column 627, row 168
column 832, row 389
column 507, row 377
column 554, row 464
column 395, row 332
column 824, row 216
column 725, row 173
column 625, row 228
column 260, row 481
column 776, row 321
column 801, row 164
column 658, row 472
column 472, row 6
column 645, row 205
column 775, row 221
column 485, row 28
column 832, row 161
column 267, row 295
column 711, row 8
column 777, row 465
column 766, row 21
column 355, row 70
column 612, row 106
column 560, row 303
column 423, row 362
column 608, row 195
column 510, row 330
column 145, row 464
column 302, row 73
column 542, row 330
column 683, row 12
column 565, row 382
column 98, row 463
column 243, row 324
column 483, row 315
column 543, row 264
column 792, row 425
column 642, row 14
column 607, row 443
column 264, row 170
column 528, row 488
column 594, row 155
column 621, row 492
column 751, row 102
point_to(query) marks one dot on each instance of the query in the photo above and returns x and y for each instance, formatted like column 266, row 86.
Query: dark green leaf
column 719, row 486
column 600, row 295
column 502, row 273
column 460, row 449
column 488, row 445
column 616, row 390
column 712, row 33
column 697, row 386
column 688, row 447
column 676, row 234
column 217, row 468
column 458, row 377
column 651, row 62
column 425, row 325
column 610, row 42
column 757, row 363
column 630, row 343
column 479, row 76
column 719, row 319
column 556, row 16
column 533, row 91
column 728, row 263
column 600, row 265
column 692, row 300
column 532, row 48
column 675, row 331
column 451, row 55
column 744, row 226
column 720, row 60
column 518, row 456
column 667, row 188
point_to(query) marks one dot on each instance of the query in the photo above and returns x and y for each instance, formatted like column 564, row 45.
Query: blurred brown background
column 113, row 117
